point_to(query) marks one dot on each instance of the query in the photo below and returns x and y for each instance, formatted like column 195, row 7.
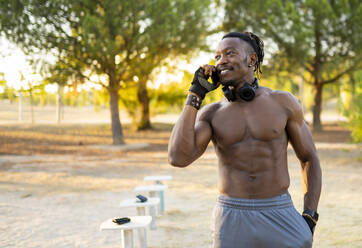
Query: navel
column 251, row 178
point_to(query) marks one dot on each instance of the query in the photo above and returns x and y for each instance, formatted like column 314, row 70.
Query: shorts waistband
column 280, row 201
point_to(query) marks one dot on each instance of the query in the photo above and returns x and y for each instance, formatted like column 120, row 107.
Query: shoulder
column 287, row 101
column 290, row 104
column 207, row 112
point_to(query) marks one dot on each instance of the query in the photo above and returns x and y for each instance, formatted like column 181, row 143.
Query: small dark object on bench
column 141, row 198
column 121, row 221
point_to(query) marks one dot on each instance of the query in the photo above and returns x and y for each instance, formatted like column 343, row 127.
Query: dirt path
column 56, row 188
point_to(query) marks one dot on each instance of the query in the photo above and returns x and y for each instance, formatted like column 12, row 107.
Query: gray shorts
column 259, row 223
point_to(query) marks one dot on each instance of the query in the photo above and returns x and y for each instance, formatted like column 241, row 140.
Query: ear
column 252, row 59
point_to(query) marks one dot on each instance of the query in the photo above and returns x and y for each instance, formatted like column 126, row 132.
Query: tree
column 60, row 74
column 181, row 30
column 352, row 108
column 118, row 39
column 322, row 38
column 2, row 81
column 8, row 92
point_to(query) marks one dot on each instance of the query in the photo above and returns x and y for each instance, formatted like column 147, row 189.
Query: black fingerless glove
column 310, row 223
column 201, row 86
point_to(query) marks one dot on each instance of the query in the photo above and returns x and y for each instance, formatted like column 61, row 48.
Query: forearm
column 188, row 141
column 312, row 183
column 182, row 147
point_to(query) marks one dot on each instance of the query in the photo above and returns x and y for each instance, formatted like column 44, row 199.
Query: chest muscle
column 241, row 122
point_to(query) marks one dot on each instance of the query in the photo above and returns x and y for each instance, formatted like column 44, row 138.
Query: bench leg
column 153, row 215
column 162, row 197
column 142, row 237
column 162, row 201
column 141, row 211
column 153, row 194
column 127, row 239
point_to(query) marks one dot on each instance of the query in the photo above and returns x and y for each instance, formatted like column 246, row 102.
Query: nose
column 222, row 60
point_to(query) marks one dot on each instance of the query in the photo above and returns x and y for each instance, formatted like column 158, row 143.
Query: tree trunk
column 317, row 107
column 144, row 101
column 31, row 106
column 353, row 84
column 21, row 106
column 59, row 104
column 301, row 92
column 117, row 132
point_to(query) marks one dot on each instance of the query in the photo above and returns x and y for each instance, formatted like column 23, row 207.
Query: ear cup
column 247, row 93
column 228, row 93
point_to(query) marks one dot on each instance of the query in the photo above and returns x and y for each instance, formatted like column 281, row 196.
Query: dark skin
column 250, row 138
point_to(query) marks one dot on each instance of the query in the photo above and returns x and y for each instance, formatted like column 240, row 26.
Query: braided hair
column 256, row 43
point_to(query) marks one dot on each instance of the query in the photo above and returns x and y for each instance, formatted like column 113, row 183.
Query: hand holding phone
column 200, row 84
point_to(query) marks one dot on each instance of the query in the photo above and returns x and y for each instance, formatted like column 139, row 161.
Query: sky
column 13, row 63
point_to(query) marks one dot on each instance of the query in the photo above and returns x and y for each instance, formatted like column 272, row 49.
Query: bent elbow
column 172, row 160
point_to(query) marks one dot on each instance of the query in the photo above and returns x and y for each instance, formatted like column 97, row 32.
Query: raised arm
column 190, row 136
column 301, row 139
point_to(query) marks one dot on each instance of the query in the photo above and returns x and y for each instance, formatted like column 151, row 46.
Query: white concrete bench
column 158, row 181
column 153, row 190
column 137, row 222
column 151, row 203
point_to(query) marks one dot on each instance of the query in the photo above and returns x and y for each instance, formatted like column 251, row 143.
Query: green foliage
column 117, row 39
column 171, row 97
column 329, row 31
column 100, row 98
column 7, row 93
column 322, row 39
column 128, row 100
column 2, row 79
column 355, row 118
column 168, row 98
column 353, row 110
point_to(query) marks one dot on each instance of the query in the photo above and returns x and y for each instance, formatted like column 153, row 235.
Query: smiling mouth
column 225, row 70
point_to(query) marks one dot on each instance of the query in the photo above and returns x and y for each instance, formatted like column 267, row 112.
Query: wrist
column 311, row 214
column 194, row 100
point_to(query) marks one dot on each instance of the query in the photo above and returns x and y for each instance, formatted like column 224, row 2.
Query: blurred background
column 138, row 58
column 78, row 75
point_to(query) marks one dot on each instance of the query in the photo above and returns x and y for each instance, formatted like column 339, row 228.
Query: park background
column 90, row 90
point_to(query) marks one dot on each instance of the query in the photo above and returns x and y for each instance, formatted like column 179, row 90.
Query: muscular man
column 250, row 129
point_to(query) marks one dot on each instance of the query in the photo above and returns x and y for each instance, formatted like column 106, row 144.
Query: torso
column 251, row 143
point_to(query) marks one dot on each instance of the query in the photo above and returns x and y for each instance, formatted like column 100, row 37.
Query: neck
column 249, row 79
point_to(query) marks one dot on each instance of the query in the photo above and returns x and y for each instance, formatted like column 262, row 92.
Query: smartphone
column 141, row 198
column 121, row 221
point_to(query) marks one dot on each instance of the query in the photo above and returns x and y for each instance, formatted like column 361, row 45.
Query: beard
column 231, row 77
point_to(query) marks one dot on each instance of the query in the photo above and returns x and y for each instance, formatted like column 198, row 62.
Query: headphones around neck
column 246, row 92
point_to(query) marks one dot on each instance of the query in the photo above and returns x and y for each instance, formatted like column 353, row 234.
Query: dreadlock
column 256, row 43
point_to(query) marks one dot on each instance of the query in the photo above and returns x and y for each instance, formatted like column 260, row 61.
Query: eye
column 217, row 57
column 229, row 53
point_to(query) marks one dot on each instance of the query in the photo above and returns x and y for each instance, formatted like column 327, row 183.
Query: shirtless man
column 250, row 136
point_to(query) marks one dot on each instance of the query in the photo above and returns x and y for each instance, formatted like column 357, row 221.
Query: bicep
column 297, row 129
column 300, row 136
column 203, row 134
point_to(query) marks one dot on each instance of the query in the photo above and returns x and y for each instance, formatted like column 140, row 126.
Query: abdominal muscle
column 256, row 173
